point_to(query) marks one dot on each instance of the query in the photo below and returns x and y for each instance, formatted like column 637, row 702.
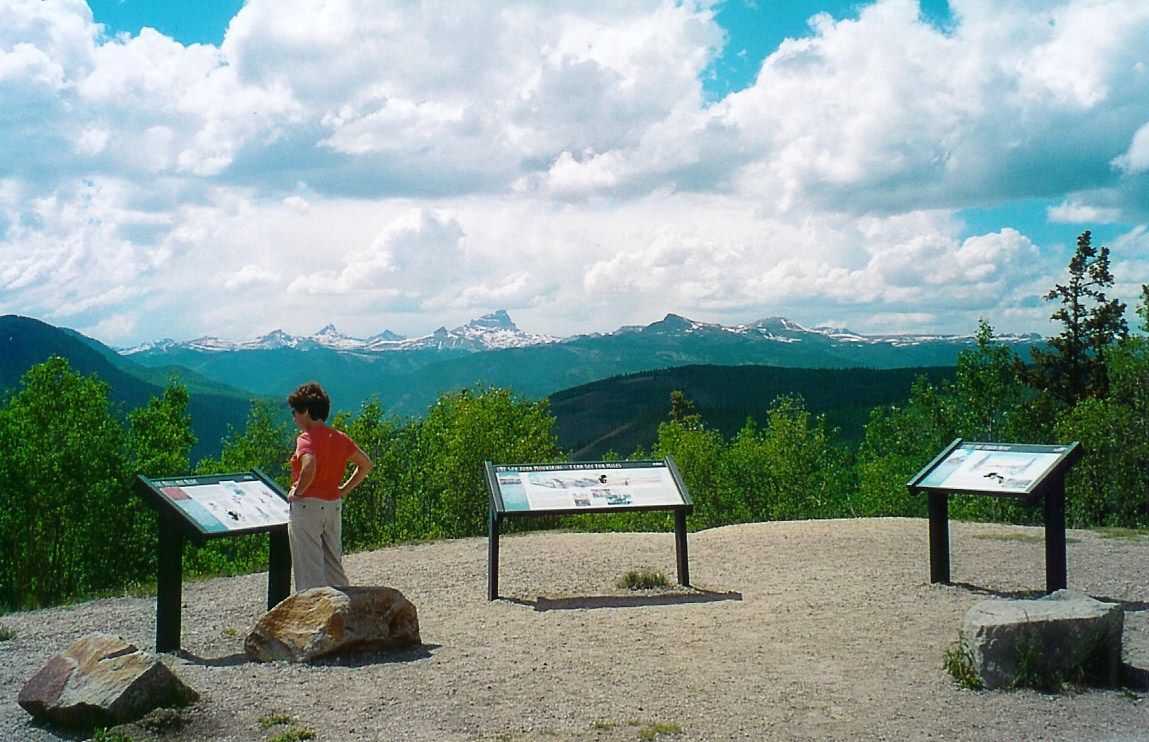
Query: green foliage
column 62, row 494
column 160, row 437
column 800, row 473
column 898, row 443
column 697, row 451
column 386, row 507
column 462, row 431
column 957, row 660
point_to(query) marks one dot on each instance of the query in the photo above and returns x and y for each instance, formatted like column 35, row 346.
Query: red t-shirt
column 332, row 450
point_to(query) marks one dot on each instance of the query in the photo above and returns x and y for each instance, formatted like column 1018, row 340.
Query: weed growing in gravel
column 294, row 735
column 647, row 732
column 272, row 720
column 957, row 660
column 642, row 579
column 7, row 633
column 655, row 728
column 290, row 735
column 1129, row 534
column 103, row 735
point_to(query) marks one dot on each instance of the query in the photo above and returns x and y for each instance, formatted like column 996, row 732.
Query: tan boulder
column 325, row 621
column 102, row 680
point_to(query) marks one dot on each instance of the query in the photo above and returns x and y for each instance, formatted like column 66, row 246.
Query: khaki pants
column 315, row 531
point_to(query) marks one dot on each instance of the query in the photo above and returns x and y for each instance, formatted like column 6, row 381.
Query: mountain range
column 496, row 331
column 408, row 374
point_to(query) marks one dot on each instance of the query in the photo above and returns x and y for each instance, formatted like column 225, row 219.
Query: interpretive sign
column 585, row 487
column 211, row 507
column 572, row 488
column 1029, row 472
column 224, row 505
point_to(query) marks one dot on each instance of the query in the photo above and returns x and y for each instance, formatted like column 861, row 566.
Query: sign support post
column 1056, row 564
column 169, row 584
column 939, row 514
column 211, row 507
column 494, row 520
column 1029, row 472
column 585, row 487
column 680, row 547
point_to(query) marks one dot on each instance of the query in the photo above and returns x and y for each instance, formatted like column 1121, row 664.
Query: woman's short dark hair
column 310, row 398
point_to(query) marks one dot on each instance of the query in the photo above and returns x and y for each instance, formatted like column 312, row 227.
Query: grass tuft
column 642, row 579
column 655, row 728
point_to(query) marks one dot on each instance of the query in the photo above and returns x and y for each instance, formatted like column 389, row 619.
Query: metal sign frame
column 1026, row 471
column 182, row 515
column 536, row 490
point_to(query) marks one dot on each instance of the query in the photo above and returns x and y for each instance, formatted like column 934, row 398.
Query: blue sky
column 179, row 169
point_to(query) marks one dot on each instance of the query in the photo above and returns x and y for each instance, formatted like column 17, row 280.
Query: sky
column 228, row 168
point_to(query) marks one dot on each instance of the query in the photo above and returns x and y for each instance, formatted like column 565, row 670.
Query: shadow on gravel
column 624, row 601
column 352, row 658
column 1008, row 594
column 231, row 660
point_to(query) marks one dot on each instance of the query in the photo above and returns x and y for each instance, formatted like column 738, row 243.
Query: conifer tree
column 1073, row 368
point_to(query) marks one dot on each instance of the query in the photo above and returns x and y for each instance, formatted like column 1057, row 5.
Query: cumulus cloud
column 1135, row 160
column 383, row 164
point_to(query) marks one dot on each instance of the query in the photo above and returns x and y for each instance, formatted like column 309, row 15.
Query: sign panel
column 565, row 488
column 993, row 468
column 224, row 505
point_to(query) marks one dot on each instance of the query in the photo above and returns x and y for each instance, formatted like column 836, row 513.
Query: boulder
column 325, row 621
column 102, row 680
column 1054, row 637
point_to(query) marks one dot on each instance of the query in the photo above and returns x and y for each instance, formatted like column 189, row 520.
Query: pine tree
column 1074, row 368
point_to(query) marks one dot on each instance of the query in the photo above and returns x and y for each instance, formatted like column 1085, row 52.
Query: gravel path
column 794, row 630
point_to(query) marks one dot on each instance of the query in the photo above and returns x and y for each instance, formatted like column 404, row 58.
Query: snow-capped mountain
column 489, row 332
column 496, row 331
column 783, row 330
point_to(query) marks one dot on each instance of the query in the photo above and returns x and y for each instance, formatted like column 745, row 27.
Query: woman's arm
column 306, row 476
column 363, row 465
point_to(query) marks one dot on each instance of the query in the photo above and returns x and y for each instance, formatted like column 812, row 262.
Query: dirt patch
column 793, row 630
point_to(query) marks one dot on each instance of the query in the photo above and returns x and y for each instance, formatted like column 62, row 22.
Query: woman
column 321, row 456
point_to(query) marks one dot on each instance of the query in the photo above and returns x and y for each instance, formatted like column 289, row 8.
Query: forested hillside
column 213, row 408
column 621, row 415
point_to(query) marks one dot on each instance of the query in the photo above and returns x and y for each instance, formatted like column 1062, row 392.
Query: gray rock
column 101, row 680
column 325, row 621
column 1049, row 638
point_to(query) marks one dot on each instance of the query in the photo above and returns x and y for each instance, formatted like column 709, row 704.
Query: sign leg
column 493, row 520
column 680, row 544
column 939, row 537
column 169, row 585
column 278, row 568
column 1056, row 569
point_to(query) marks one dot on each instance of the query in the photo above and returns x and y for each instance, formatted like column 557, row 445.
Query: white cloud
column 1075, row 212
column 386, row 165
column 1136, row 158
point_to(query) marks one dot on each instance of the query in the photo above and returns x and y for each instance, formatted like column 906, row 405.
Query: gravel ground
column 793, row 630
